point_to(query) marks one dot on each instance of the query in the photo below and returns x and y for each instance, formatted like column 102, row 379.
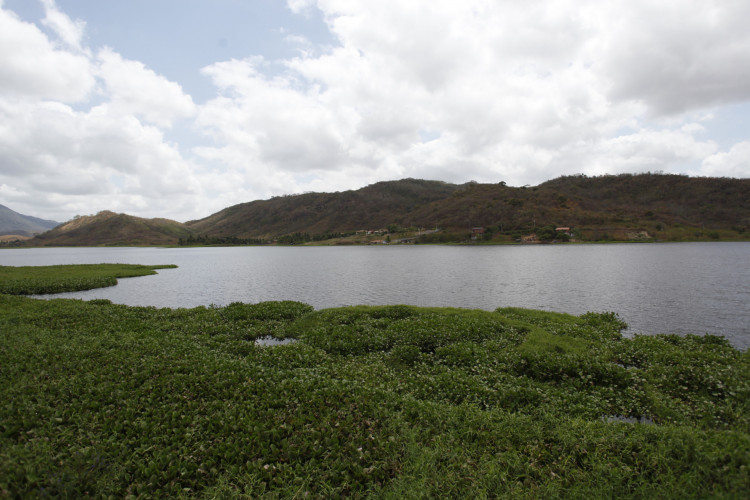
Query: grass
column 28, row 280
column 101, row 399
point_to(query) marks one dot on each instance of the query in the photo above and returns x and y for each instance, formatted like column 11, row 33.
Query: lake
column 656, row 288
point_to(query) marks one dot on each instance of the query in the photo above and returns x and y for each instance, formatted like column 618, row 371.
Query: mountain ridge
column 664, row 206
column 319, row 213
column 612, row 207
column 14, row 223
column 110, row 228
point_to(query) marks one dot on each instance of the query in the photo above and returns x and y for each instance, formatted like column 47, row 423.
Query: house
column 565, row 230
column 477, row 232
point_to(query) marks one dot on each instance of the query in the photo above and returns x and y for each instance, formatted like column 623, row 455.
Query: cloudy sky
column 179, row 108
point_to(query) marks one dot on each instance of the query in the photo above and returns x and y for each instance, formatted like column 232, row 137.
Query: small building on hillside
column 477, row 232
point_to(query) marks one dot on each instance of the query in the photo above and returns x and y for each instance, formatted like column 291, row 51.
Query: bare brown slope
column 371, row 207
column 665, row 206
column 109, row 228
column 644, row 202
column 641, row 202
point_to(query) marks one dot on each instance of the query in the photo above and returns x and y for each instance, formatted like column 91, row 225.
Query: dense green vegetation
column 28, row 280
column 102, row 399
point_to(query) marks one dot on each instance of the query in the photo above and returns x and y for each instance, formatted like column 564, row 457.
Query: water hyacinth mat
column 105, row 400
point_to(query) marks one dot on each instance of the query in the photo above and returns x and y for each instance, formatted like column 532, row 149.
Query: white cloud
column 641, row 151
column 69, row 31
column 732, row 163
column 133, row 88
column 501, row 99
column 485, row 90
column 271, row 123
column 677, row 56
column 109, row 152
column 516, row 91
column 111, row 160
column 32, row 67
column 300, row 6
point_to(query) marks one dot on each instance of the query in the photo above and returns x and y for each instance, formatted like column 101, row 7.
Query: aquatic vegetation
column 29, row 280
column 102, row 399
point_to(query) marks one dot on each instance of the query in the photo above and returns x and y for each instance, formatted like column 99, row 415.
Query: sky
column 180, row 108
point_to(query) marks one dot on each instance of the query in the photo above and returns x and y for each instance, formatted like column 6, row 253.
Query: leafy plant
column 30, row 280
column 105, row 400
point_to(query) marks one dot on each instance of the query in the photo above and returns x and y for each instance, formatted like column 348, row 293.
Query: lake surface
column 656, row 288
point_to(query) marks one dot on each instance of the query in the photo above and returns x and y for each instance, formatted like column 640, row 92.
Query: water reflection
column 273, row 341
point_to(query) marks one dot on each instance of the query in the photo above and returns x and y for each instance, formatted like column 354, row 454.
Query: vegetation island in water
column 106, row 400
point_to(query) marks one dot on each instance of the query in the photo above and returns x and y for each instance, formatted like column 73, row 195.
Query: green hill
column 109, row 228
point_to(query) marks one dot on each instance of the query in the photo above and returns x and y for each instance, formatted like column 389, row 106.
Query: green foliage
column 105, row 400
column 201, row 240
column 546, row 233
column 541, row 342
column 266, row 311
column 441, row 237
column 29, row 280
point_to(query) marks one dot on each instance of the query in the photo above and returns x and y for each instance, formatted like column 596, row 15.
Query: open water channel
column 656, row 288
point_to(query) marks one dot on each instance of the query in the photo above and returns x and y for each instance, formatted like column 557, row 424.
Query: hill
column 668, row 207
column 621, row 207
column 374, row 206
column 13, row 223
column 109, row 228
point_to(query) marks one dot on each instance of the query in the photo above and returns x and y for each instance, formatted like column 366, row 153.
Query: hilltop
column 14, row 224
column 606, row 208
column 374, row 206
column 623, row 207
column 646, row 206
column 109, row 228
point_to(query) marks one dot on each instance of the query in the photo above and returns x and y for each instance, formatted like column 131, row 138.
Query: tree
column 546, row 233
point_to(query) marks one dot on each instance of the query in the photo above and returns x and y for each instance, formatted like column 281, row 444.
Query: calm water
column 655, row 288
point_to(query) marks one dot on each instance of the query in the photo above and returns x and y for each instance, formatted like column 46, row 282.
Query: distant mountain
column 670, row 207
column 109, row 228
column 13, row 223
